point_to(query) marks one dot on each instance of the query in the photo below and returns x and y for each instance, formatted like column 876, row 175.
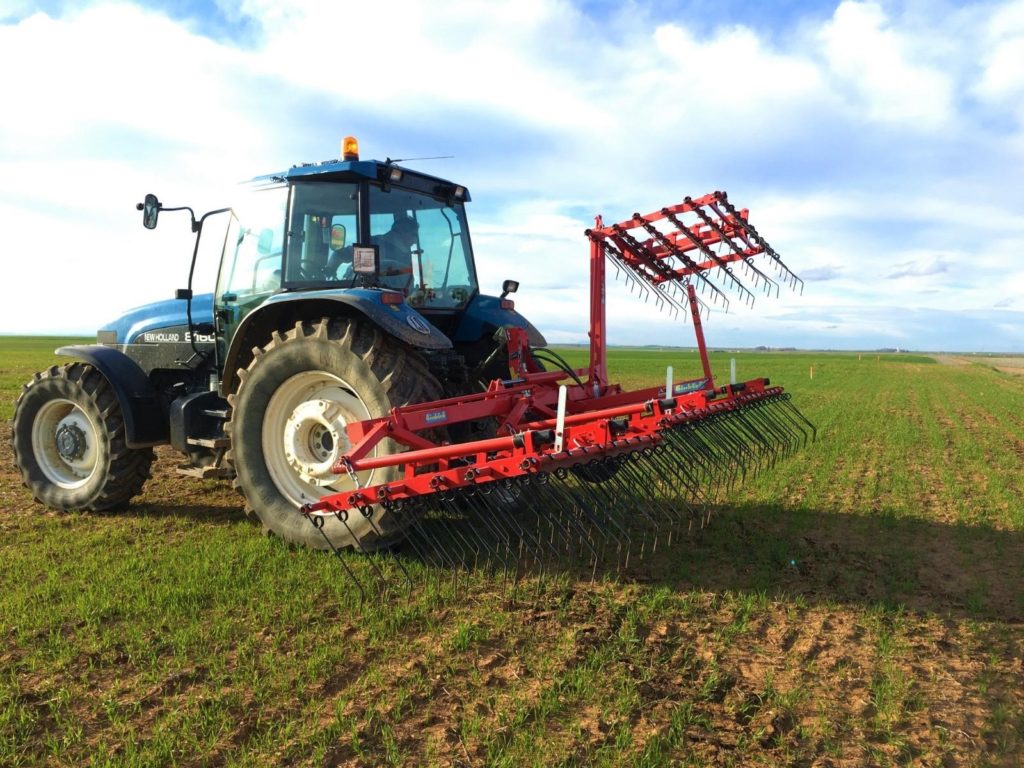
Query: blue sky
column 878, row 145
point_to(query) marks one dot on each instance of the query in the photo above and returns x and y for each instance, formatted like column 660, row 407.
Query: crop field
column 859, row 604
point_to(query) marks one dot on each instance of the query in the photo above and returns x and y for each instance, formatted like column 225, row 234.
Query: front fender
column 283, row 310
column 145, row 423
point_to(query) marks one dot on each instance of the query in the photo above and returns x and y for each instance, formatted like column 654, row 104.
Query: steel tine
column 687, row 451
column 491, row 503
column 427, row 528
column 555, row 517
column 380, row 533
column 641, row 493
column 604, row 503
column 535, row 528
column 411, row 511
column 317, row 522
column 776, row 423
column 589, row 507
column 786, row 399
column 569, row 514
column 682, row 449
column 342, row 516
column 779, row 423
column 489, row 544
column 455, row 530
column 558, row 486
column 488, row 517
column 638, row 471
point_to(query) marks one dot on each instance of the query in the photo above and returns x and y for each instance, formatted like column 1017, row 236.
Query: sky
column 878, row 145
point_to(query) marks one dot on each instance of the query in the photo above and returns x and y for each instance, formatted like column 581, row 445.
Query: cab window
column 424, row 247
column 323, row 220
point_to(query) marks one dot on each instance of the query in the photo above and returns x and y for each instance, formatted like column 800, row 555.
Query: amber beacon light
column 350, row 148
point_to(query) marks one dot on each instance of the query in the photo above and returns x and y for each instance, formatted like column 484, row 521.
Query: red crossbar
column 597, row 433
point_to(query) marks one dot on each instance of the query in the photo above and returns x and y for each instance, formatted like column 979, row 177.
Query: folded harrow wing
column 578, row 467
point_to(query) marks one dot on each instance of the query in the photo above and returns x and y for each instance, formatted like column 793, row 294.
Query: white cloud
column 115, row 67
column 851, row 140
column 886, row 70
column 1001, row 84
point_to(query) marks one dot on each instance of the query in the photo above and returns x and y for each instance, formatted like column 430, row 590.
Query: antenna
column 390, row 161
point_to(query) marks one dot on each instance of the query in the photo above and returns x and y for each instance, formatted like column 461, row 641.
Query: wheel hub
column 314, row 440
column 70, row 441
column 65, row 443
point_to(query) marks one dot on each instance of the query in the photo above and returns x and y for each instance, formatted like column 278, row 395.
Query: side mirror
column 509, row 286
column 150, row 210
column 338, row 237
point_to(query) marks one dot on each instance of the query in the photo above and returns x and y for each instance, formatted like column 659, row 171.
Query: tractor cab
column 345, row 224
column 358, row 228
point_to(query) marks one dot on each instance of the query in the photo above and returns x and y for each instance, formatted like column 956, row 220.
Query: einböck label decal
column 688, row 386
column 436, row 417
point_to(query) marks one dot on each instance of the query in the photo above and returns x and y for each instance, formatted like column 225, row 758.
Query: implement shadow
column 963, row 571
column 951, row 570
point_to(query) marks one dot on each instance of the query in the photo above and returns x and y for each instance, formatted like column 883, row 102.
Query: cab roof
column 371, row 170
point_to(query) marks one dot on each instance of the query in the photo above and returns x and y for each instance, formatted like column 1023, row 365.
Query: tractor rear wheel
column 288, row 419
column 69, row 441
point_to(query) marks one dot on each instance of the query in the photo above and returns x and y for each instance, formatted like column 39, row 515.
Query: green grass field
column 859, row 604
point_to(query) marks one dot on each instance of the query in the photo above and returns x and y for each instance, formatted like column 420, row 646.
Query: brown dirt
column 1011, row 365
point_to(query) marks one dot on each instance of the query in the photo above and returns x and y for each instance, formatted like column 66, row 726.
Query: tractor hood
column 132, row 326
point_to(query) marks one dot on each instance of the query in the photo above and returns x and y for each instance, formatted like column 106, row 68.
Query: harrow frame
column 546, row 426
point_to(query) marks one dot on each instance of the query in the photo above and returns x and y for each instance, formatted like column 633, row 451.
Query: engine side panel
column 157, row 318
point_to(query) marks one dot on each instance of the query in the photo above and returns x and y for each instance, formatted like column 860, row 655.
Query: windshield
column 424, row 248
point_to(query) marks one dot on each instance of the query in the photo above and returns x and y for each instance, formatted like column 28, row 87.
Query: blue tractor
column 345, row 288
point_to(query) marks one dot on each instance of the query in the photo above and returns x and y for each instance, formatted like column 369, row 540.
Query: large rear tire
column 69, row 441
column 288, row 418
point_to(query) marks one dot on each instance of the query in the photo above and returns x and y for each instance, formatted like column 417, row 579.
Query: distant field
column 860, row 604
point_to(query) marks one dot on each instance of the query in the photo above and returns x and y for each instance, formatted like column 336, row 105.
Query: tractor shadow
column 203, row 514
column 960, row 571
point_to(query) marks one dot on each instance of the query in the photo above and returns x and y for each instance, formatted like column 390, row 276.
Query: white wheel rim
column 64, row 440
column 304, row 435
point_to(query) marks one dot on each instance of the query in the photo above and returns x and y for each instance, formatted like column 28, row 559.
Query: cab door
column 252, row 260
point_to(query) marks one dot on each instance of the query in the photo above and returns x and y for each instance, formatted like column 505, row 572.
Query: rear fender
column 283, row 310
column 145, row 423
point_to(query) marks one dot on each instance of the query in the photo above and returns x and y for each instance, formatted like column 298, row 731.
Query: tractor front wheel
column 288, row 422
column 69, row 441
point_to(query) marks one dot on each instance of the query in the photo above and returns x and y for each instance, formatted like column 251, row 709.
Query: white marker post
column 560, row 419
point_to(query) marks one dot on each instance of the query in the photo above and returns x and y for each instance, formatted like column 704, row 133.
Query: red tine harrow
column 579, row 469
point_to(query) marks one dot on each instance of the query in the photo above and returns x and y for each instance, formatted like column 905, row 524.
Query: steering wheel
column 312, row 270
